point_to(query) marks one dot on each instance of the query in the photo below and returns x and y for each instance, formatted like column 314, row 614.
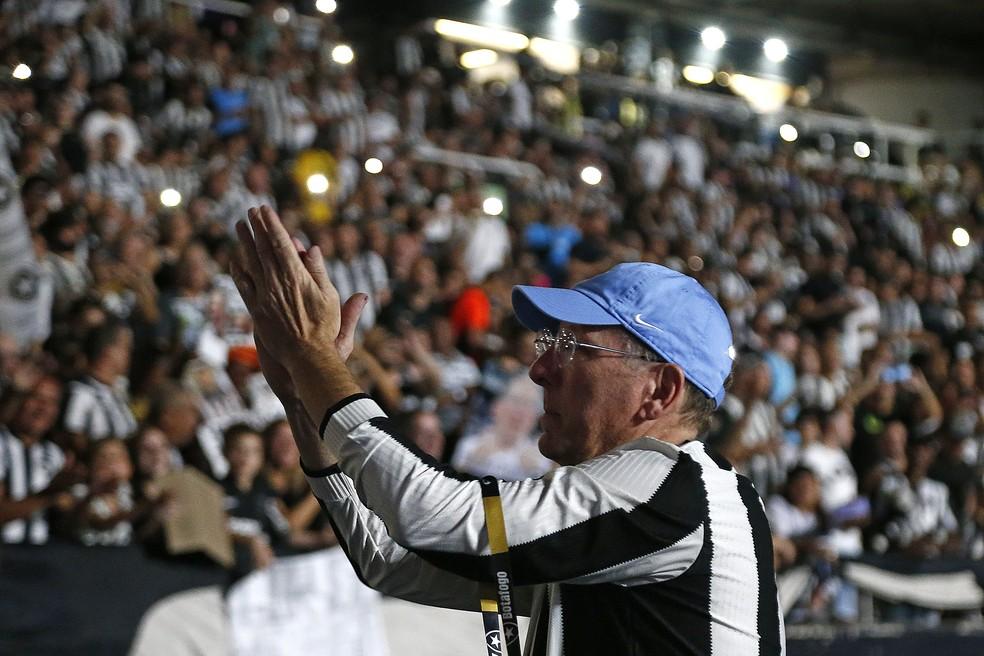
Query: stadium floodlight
column 960, row 237
column 374, row 165
column 775, row 49
column 591, row 175
column 713, row 37
column 170, row 197
column 861, row 149
column 326, row 6
column 566, row 10
column 281, row 15
column 21, row 72
column 342, row 54
column 698, row 74
column 479, row 35
column 492, row 206
column 500, row 3
column 788, row 132
column 478, row 58
column 317, row 183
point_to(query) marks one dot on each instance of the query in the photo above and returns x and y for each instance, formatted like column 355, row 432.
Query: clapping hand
column 294, row 305
column 293, row 314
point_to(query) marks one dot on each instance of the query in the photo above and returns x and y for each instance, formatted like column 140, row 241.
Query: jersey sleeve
column 629, row 517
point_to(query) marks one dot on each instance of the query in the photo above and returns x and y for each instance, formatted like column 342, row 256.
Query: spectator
column 108, row 510
column 97, row 405
column 309, row 528
column 799, row 530
column 424, row 430
column 34, row 473
column 749, row 433
column 355, row 269
column 114, row 116
column 506, row 448
column 652, row 157
column 176, row 411
column 255, row 521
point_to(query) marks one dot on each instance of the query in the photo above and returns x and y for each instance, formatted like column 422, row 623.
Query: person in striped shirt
column 97, row 406
column 640, row 542
column 33, row 472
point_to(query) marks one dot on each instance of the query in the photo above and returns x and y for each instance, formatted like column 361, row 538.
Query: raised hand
column 294, row 306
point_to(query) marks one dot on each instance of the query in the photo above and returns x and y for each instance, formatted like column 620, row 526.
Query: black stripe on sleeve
column 768, row 602
column 674, row 511
column 338, row 406
column 320, row 473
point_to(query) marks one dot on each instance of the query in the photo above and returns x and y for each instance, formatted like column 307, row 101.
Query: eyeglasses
column 565, row 344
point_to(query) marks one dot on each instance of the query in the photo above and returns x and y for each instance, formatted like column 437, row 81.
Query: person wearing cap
column 640, row 542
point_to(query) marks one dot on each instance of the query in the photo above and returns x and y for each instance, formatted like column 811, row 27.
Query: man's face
column 590, row 403
column 40, row 409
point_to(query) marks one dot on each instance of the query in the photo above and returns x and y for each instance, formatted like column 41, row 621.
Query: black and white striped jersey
column 24, row 472
column 97, row 410
column 650, row 548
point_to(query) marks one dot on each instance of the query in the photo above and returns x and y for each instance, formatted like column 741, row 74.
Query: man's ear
column 665, row 389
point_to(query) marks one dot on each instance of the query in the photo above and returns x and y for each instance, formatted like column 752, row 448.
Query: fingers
column 244, row 283
column 315, row 264
column 351, row 312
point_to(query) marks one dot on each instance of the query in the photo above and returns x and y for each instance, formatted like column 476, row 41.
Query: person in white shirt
column 827, row 458
column 690, row 156
column 652, row 158
column 114, row 118
column 506, row 448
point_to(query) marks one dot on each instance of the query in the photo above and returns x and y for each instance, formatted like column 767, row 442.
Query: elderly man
column 641, row 542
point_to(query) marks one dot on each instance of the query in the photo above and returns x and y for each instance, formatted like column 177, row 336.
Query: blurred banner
column 25, row 302
column 309, row 604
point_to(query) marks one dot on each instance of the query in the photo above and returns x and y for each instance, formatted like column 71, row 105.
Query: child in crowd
column 308, row 525
column 256, row 522
column 106, row 514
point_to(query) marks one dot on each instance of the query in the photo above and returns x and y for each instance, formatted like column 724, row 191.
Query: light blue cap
column 669, row 312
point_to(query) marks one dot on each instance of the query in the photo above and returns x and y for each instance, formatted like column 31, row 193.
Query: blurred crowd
column 856, row 402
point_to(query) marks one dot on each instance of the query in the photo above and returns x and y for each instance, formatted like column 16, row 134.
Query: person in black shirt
column 256, row 522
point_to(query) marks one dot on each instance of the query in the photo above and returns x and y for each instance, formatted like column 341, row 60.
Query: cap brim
column 544, row 307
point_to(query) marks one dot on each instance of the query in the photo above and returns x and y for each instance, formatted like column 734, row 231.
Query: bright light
column 326, row 6
column 788, row 132
column 960, row 237
column 566, row 9
column 698, row 74
column 775, row 50
column 492, row 206
column 560, row 57
column 479, row 35
column 21, row 72
column 500, row 3
column 342, row 54
column 373, row 165
column 478, row 58
column 861, row 149
column 763, row 95
column 170, row 197
column 591, row 175
column 317, row 183
column 281, row 15
column 713, row 38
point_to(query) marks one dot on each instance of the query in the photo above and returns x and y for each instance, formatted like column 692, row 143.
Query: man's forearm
column 321, row 380
column 315, row 454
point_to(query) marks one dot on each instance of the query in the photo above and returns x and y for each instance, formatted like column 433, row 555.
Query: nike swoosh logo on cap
column 642, row 322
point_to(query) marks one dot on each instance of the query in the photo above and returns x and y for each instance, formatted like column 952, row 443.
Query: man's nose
column 543, row 368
